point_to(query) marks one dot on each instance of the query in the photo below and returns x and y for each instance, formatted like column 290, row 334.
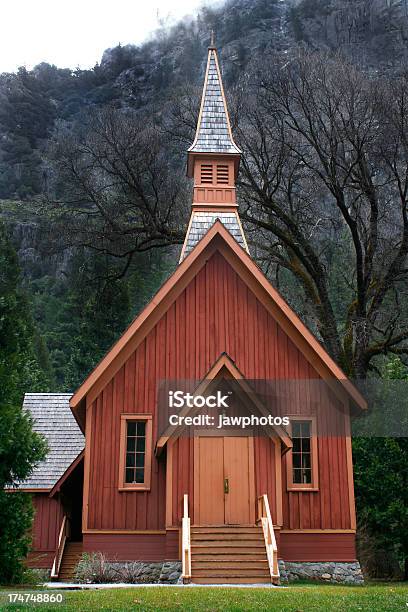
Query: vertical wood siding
column 46, row 525
column 265, row 473
column 216, row 313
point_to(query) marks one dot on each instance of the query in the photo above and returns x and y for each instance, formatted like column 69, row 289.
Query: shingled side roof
column 213, row 130
column 53, row 419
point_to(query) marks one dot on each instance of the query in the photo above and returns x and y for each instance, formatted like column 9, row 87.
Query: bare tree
column 323, row 191
column 118, row 187
column 324, row 180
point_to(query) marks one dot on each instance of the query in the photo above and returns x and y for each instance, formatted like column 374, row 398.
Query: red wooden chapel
column 228, row 507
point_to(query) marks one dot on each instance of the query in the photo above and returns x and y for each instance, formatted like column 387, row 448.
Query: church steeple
column 213, row 163
column 213, row 134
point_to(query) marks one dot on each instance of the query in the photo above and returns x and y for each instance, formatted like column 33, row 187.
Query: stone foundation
column 154, row 573
column 325, row 571
column 170, row 572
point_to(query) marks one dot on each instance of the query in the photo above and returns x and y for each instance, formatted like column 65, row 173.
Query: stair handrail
column 62, row 538
column 186, row 542
column 264, row 516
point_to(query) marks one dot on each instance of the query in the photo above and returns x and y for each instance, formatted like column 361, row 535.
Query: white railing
column 186, row 542
column 264, row 517
column 62, row 538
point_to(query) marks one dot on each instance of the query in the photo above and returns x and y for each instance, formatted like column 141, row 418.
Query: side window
column 135, row 452
column 302, row 467
column 301, row 452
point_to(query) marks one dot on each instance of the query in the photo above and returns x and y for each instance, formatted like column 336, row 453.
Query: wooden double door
column 224, row 481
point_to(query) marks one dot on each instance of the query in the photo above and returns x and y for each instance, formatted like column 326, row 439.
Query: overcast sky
column 76, row 32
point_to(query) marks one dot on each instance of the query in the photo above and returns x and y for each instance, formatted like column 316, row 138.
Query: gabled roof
column 225, row 364
column 53, row 419
column 213, row 129
column 218, row 239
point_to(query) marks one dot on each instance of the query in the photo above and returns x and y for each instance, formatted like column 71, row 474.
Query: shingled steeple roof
column 213, row 133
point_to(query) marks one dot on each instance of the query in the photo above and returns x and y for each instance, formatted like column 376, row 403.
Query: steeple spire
column 213, row 134
column 213, row 162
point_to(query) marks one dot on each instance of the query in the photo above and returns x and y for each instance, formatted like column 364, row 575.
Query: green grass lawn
column 297, row 598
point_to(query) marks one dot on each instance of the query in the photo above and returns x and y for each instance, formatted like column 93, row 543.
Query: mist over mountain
column 373, row 33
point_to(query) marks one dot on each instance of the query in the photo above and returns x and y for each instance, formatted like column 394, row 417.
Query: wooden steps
column 233, row 580
column 216, row 557
column 229, row 555
column 233, row 565
column 206, row 537
column 70, row 559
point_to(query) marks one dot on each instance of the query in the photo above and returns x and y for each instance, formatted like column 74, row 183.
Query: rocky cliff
column 373, row 32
